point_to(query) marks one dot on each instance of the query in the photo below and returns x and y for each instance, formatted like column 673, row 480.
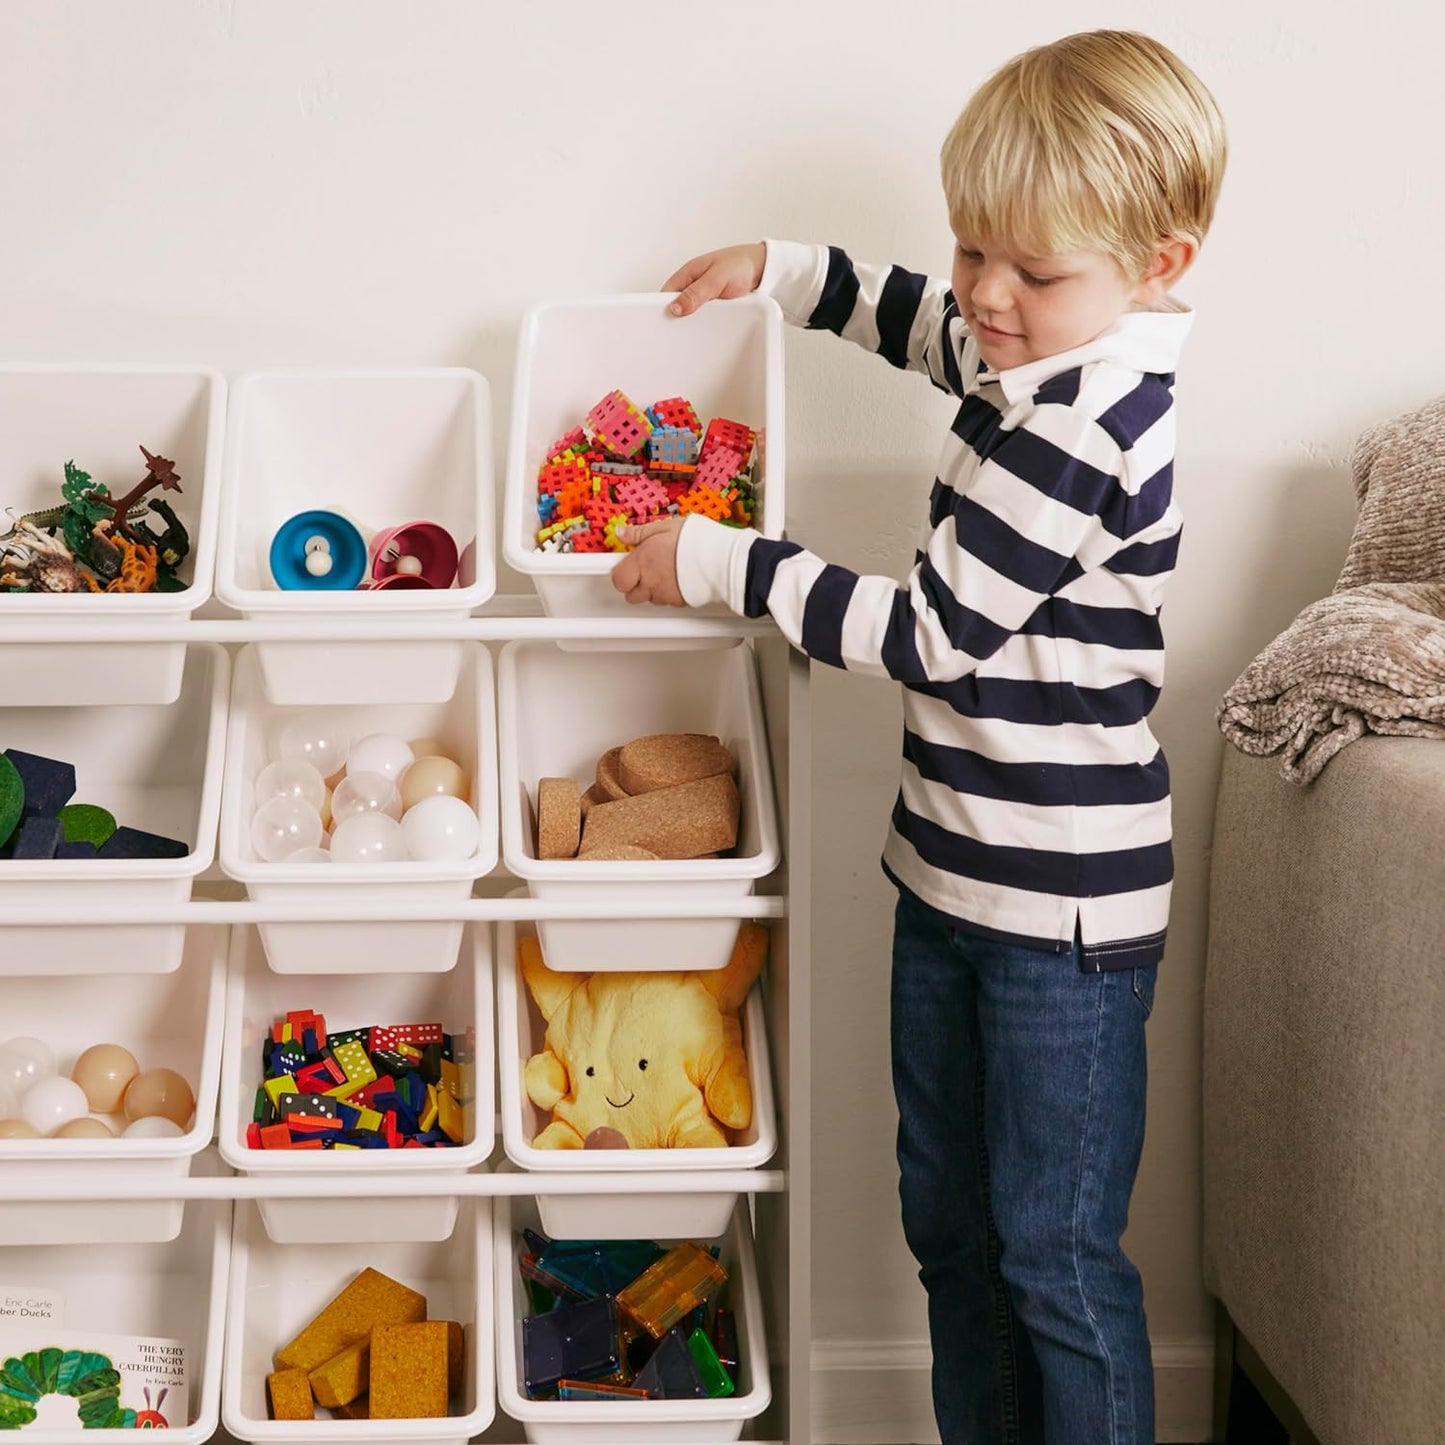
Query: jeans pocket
column 1144, row 987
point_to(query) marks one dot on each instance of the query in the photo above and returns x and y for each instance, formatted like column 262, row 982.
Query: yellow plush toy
column 642, row 1060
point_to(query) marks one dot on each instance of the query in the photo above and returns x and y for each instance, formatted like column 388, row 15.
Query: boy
column 1030, row 842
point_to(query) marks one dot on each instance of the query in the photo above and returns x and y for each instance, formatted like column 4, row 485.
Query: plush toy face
column 656, row 1057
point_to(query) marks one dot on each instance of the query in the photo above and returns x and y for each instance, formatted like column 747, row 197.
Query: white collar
column 1143, row 341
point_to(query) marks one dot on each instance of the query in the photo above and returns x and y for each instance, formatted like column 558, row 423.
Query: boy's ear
column 1171, row 259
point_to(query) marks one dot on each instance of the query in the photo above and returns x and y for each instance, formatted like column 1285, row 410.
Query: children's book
column 54, row 1378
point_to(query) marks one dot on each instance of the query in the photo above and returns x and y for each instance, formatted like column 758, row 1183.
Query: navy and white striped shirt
column 1034, row 804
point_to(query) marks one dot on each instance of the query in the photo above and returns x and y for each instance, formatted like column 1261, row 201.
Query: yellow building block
column 409, row 1371
column 449, row 1116
column 342, row 1378
column 290, row 1395
column 370, row 1299
column 278, row 1088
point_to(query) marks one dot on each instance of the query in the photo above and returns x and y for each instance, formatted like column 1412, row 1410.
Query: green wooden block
column 12, row 798
column 86, row 823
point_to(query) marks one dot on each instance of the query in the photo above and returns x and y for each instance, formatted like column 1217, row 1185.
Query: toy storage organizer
column 232, row 1250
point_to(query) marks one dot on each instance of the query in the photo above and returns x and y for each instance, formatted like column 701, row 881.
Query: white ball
column 290, row 778
column 441, row 830
column 368, row 838
column 319, row 564
column 380, row 753
column 282, row 826
column 24, row 1061
column 365, row 793
column 153, row 1126
column 309, row 855
column 408, row 565
column 317, row 739
column 51, row 1102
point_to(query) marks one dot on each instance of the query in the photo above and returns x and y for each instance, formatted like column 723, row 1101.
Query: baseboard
column 876, row 1392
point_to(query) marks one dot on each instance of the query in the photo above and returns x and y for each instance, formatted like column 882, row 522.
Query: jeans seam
column 1078, row 1198
column 1003, row 1311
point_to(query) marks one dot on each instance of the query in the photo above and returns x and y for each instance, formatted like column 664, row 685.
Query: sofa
column 1324, row 1094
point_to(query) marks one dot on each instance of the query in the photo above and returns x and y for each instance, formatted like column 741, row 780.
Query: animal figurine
column 642, row 1060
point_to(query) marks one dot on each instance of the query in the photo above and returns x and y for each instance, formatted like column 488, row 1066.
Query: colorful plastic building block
column 685, row 1277
column 671, row 1373
column 675, row 411
column 619, row 425
column 573, row 1341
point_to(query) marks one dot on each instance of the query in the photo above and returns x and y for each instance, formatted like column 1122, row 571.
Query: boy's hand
column 649, row 572
column 733, row 271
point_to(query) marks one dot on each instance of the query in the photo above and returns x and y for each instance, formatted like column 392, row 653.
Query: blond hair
column 1100, row 141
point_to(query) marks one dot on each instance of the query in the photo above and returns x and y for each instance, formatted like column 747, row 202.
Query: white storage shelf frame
column 779, row 1194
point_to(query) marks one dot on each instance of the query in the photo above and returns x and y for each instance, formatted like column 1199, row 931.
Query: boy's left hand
column 649, row 572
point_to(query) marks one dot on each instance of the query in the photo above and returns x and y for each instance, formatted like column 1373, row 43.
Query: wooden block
column 666, row 760
column 559, row 817
column 681, row 822
column 372, row 1298
column 358, row 1409
column 607, row 776
column 594, row 794
column 342, row 1378
column 409, row 1371
column 290, row 1395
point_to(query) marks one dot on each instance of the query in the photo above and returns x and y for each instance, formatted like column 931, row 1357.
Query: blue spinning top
column 318, row 551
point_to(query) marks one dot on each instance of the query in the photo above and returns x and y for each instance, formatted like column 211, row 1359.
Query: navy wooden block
column 132, row 843
column 37, row 838
column 49, row 783
column 81, row 848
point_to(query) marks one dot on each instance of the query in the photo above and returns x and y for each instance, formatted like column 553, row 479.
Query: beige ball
column 432, row 777
column 104, row 1071
column 86, row 1128
column 160, row 1093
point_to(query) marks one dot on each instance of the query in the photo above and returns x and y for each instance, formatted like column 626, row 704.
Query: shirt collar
column 1143, row 341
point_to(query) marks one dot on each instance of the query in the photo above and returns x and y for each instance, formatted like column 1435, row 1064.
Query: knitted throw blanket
column 1371, row 655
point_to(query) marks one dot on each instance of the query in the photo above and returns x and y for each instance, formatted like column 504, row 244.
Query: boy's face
column 1022, row 307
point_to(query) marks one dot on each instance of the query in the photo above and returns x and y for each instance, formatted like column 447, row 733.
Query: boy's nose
column 991, row 292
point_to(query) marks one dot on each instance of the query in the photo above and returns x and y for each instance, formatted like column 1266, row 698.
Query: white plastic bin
column 172, row 1291
column 384, row 448
column 170, row 1020
column 558, row 712
column 156, row 767
column 727, row 359
column 521, row 1032
column 99, row 417
column 572, row 1422
column 466, row 727
column 276, row 1289
column 256, row 998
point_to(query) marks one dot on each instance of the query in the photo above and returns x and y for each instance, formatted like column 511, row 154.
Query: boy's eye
column 1031, row 280
column 970, row 255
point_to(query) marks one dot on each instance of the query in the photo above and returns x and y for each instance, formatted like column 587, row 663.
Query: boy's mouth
column 993, row 332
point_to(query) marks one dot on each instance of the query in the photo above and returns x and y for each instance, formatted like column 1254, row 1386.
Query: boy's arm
column 1049, row 504
column 908, row 319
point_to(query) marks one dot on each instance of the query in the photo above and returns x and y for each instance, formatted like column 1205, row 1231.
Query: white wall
column 255, row 182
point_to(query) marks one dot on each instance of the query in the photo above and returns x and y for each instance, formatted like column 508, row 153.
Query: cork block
column 289, row 1392
column 372, row 1298
column 358, row 1409
column 666, row 760
column 559, row 817
column 594, row 794
column 681, row 822
column 409, row 1371
column 608, row 779
column 342, row 1378
column 620, row 853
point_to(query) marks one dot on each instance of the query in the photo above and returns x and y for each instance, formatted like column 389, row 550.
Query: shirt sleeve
column 1048, row 504
column 910, row 320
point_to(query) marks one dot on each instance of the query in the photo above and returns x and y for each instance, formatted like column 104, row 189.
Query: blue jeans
column 1020, row 1087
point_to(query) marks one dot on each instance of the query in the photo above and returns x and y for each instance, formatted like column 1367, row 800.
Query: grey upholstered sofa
column 1324, row 1088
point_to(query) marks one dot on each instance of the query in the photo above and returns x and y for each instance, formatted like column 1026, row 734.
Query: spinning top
column 423, row 550
column 318, row 551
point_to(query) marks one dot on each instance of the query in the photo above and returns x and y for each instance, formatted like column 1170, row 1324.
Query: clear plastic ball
column 432, row 777
column 368, row 838
column 153, row 1126
column 383, row 753
column 365, row 793
column 317, row 739
column 104, row 1071
column 441, row 830
column 282, row 826
column 51, row 1102
column 291, row 778
column 309, row 855
column 160, row 1092
column 9, row 1102
column 24, row 1061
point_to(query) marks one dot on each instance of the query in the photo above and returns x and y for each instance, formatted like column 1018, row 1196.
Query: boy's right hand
column 733, row 271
